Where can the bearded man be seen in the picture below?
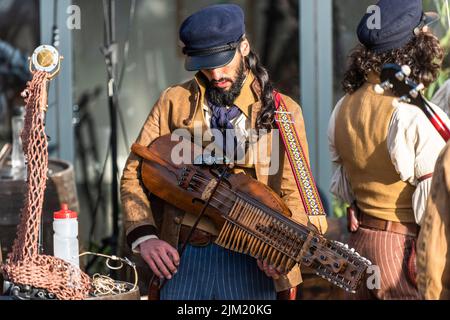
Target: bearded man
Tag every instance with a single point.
(231, 91)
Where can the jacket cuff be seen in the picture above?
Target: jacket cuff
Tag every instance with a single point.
(135, 245)
(139, 232)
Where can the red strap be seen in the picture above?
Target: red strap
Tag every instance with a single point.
(297, 159)
(425, 177)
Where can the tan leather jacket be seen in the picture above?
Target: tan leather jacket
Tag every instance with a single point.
(433, 254)
(176, 109)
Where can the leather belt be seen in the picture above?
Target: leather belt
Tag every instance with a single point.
(408, 229)
(199, 238)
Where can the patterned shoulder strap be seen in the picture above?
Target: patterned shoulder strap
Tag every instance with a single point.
(299, 163)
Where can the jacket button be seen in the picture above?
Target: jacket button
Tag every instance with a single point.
(177, 220)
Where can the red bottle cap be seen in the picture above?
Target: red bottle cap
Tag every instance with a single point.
(65, 213)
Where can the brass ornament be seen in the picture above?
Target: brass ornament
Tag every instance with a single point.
(46, 58)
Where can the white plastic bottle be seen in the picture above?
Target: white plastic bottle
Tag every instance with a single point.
(65, 238)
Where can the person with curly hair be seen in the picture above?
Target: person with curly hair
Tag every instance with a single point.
(384, 153)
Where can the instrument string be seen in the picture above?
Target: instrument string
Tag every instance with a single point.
(220, 203)
(244, 197)
(327, 252)
(323, 262)
(258, 205)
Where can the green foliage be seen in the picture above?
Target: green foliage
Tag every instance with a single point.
(442, 30)
(339, 208)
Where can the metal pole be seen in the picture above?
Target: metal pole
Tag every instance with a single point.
(59, 119)
(316, 83)
(111, 50)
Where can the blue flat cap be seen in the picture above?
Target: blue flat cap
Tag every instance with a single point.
(211, 36)
(399, 20)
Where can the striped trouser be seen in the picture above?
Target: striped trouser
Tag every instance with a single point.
(214, 273)
(390, 252)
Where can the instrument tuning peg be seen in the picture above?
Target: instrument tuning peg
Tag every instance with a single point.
(415, 92)
(406, 70)
(380, 88)
(404, 99)
(400, 76)
(340, 244)
(420, 87)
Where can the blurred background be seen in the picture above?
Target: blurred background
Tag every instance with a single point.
(303, 43)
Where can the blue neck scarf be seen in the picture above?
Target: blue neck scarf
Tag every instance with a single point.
(221, 116)
(221, 119)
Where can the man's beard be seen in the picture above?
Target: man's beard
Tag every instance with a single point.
(223, 98)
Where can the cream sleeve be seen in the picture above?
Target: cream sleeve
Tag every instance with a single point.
(414, 146)
(339, 185)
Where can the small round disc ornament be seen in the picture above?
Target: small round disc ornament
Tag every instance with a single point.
(45, 58)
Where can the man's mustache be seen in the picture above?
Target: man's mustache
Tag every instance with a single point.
(213, 82)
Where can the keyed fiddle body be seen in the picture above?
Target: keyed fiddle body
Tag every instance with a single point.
(254, 220)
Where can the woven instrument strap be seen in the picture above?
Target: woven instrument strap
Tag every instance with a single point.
(297, 158)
